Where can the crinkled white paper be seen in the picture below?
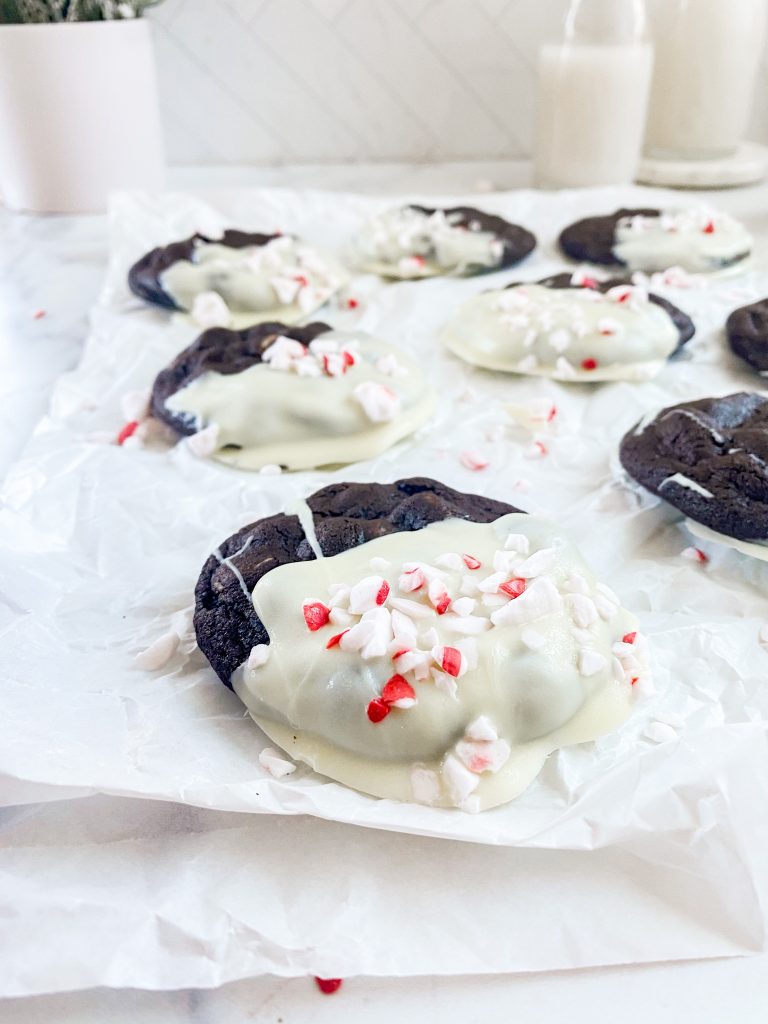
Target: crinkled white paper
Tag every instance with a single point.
(102, 545)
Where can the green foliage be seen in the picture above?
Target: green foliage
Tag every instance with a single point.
(39, 12)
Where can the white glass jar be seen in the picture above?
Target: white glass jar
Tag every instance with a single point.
(593, 90)
(707, 57)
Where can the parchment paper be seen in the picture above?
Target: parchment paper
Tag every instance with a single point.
(101, 546)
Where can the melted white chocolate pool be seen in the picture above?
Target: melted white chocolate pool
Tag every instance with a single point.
(266, 416)
(543, 670)
(569, 334)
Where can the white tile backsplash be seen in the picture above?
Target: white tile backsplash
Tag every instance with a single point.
(284, 81)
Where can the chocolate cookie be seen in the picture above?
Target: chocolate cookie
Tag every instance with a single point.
(220, 351)
(708, 458)
(345, 515)
(591, 240)
(414, 242)
(747, 332)
(297, 398)
(144, 276)
(695, 239)
(569, 327)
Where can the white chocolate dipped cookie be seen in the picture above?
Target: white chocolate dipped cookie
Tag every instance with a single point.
(696, 239)
(239, 279)
(292, 397)
(412, 242)
(570, 327)
(439, 664)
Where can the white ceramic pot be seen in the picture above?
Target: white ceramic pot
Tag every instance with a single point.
(78, 114)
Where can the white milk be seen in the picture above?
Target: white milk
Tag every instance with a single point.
(591, 112)
(707, 54)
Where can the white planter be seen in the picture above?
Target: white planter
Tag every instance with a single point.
(78, 114)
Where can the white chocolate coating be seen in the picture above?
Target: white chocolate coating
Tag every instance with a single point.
(698, 240)
(406, 243)
(543, 670)
(551, 332)
(283, 278)
(280, 417)
(753, 548)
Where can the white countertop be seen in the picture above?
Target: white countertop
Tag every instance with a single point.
(54, 265)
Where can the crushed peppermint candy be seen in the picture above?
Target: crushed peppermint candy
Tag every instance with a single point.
(473, 460)
(210, 310)
(379, 403)
(694, 555)
(464, 598)
(322, 357)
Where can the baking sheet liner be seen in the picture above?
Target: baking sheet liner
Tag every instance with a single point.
(100, 550)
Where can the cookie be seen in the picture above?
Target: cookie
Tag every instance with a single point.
(709, 459)
(220, 281)
(570, 327)
(441, 646)
(295, 397)
(747, 332)
(412, 242)
(696, 239)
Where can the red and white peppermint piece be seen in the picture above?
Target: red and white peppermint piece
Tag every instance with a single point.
(629, 638)
(128, 430)
(532, 639)
(439, 597)
(316, 614)
(379, 403)
(694, 555)
(367, 594)
(471, 562)
(399, 693)
(334, 364)
(380, 564)
(450, 660)
(513, 588)
(473, 460)
(389, 366)
(483, 755)
(380, 636)
(335, 640)
(328, 985)
(377, 710)
(540, 598)
(609, 327)
(411, 580)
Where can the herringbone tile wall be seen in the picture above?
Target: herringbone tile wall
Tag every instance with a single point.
(274, 81)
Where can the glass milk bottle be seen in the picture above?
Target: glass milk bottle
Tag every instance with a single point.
(593, 90)
(707, 58)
